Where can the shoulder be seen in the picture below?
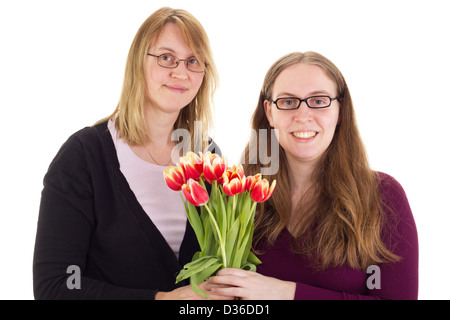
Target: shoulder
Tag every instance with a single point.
(398, 215)
(391, 190)
(90, 134)
(87, 137)
(87, 140)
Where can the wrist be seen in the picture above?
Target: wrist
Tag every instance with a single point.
(161, 295)
(291, 287)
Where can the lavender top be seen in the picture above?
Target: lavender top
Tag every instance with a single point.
(163, 205)
(391, 281)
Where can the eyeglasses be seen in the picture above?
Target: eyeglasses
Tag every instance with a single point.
(314, 102)
(167, 60)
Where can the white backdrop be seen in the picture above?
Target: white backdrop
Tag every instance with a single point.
(61, 69)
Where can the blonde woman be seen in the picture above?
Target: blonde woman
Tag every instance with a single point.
(333, 229)
(109, 227)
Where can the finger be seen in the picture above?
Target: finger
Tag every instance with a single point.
(207, 286)
(225, 281)
(234, 272)
(213, 296)
(211, 285)
(227, 291)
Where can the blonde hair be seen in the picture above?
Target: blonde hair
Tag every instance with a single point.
(346, 218)
(129, 114)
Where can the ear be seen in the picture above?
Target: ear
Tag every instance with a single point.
(268, 111)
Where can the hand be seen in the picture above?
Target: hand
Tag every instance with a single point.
(250, 285)
(186, 293)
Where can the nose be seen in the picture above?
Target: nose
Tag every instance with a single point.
(303, 113)
(180, 72)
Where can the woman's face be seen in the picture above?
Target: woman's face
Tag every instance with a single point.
(304, 133)
(170, 90)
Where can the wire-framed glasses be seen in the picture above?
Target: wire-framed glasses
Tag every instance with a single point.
(167, 60)
(314, 102)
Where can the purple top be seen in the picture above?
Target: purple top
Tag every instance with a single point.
(391, 281)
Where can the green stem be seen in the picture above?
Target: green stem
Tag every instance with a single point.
(251, 211)
(221, 243)
(202, 182)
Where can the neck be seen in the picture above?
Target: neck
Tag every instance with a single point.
(300, 175)
(159, 147)
(300, 181)
(159, 126)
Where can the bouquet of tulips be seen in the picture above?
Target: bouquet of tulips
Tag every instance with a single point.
(224, 227)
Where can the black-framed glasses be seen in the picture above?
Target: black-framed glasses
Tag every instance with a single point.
(167, 60)
(314, 102)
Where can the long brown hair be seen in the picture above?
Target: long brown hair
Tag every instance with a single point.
(344, 217)
(129, 114)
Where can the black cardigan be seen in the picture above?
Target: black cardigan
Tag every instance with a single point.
(90, 218)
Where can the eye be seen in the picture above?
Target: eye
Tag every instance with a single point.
(192, 60)
(166, 57)
(319, 101)
(287, 103)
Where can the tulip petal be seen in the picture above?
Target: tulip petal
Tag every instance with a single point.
(199, 194)
(195, 193)
(187, 193)
(174, 177)
(270, 191)
(193, 165)
(261, 191)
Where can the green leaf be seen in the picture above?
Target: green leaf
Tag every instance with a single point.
(252, 258)
(231, 242)
(221, 216)
(248, 244)
(197, 289)
(249, 266)
(230, 213)
(195, 221)
(197, 255)
(244, 217)
(199, 277)
(243, 247)
(196, 266)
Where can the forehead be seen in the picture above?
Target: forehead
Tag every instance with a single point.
(171, 40)
(302, 80)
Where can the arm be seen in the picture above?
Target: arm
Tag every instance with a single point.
(65, 227)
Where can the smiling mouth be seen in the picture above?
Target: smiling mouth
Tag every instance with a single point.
(305, 134)
(179, 89)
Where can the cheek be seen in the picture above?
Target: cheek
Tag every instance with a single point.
(152, 79)
(279, 120)
(197, 82)
(329, 124)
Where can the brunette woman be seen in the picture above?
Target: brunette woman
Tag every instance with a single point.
(334, 228)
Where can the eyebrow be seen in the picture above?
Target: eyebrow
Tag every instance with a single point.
(165, 49)
(316, 92)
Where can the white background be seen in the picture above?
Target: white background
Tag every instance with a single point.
(61, 69)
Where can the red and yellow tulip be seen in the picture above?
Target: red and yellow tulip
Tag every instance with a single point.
(234, 180)
(261, 191)
(195, 193)
(224, 228)
(214, 167)
(251, 181)
(193, 165)
(175, 177)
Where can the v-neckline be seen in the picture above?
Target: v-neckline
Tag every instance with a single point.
(151, 232)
